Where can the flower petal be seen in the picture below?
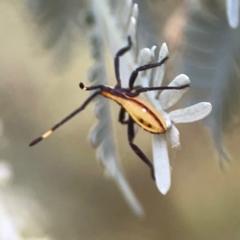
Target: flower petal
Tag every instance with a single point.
(191, 114)
(126, 13)
(132, 31)
(145, 56)
(173, 137)
(161, 163)
(159, 73)
(169, 97)
(233, 12)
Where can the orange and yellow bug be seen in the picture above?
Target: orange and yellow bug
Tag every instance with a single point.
(139, 111)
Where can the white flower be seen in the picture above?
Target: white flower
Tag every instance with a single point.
(193, 113)
(162, 102)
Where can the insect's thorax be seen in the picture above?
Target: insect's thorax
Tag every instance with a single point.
(141, 112)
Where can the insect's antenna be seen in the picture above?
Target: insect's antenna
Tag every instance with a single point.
(121, 52)
(71, 115)
(82, 86)
(135, 73)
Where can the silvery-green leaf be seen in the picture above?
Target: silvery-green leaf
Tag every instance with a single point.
(211, 60)
(108, 159)
(192, 113)
(128, 194)
(116, 35)
(161, 163)
(100, 109)
(169, 97)
(94, 73)
(98, 133)
(102, 134)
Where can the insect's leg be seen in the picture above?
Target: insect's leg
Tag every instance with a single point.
(140, 90)
(136, 149)
(143, 68)
(49, 132)
(121, 116)
(116, 60)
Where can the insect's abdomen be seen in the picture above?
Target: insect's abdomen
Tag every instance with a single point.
(145, 116)
(141, 112)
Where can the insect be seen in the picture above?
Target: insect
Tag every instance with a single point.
(138, 111)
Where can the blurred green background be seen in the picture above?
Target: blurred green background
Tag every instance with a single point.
(61, 173)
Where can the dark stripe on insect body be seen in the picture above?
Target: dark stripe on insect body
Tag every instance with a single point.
(148, 110)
